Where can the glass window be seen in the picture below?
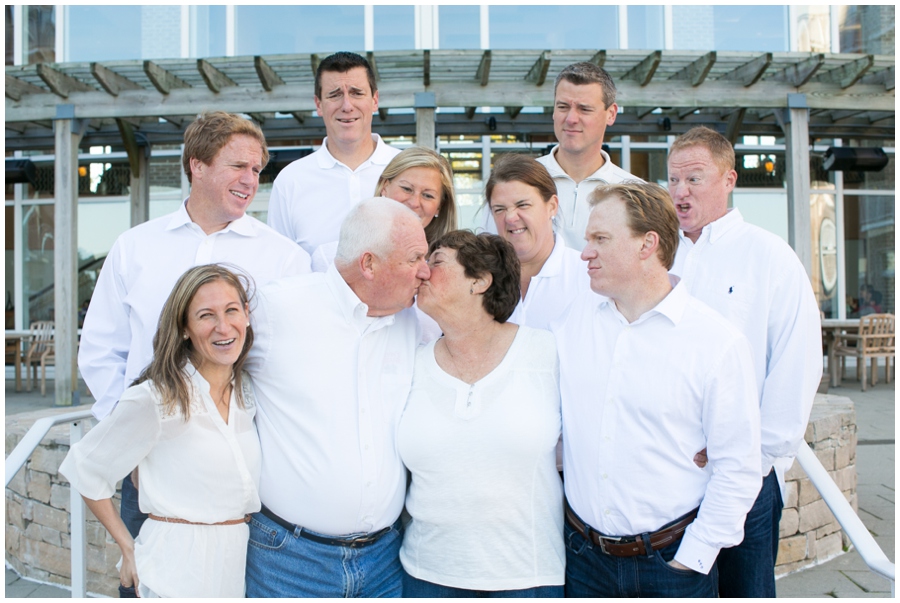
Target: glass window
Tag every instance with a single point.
(40, 35)
(395, 27)
(869, 254)
(10, 37)
(880, 180)
(468, 186)
(722, 27)
(645, 27)
(866, 28)
(813, 28)
(556, 27)
(649, 166)
(288, 29)
(823, 222)
(762, 169)
(37, 269)
(98, 33)
(765, 209)
(208, 35)
(459, 27)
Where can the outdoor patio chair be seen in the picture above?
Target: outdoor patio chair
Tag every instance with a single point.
(875, 340)
(40, 352)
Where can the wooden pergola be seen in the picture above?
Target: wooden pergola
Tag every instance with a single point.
(800, 96)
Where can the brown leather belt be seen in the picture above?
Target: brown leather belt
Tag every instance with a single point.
(629, 546)
(230, 522)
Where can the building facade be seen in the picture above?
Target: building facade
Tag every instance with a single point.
(853, 212)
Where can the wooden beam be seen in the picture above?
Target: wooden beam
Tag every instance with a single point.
(17, 127)
(513, 111)
(111, 81)
(370, 56)
(682, 113)
(258, 118)
(215, 79)
(131, 146)
(314, 63)
(298, 116)
(599, 58)
(697, 71)
(876, 118)
(800, 73)
(837, 116)
(163, 80)
(733, 129)
(643, 72)
(267, 76)
(470, 112)
(750, 72)
(641, 112)
(16, 88)
(538, 72)
(178, 122)
(887, 76)
(60, 83)
(426, 68)
(484, 68)
(849, 73)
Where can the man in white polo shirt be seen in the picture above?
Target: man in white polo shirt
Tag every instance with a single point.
(755, 280)
(312, 196)
(223, 156)
(649, 376)
(584, 105)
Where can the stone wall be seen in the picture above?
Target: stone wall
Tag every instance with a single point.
(810, 534)
(37, 503)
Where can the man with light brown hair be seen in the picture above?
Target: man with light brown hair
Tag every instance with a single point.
(648, 376)
(755, 280)
(584, 105)
(223, 157)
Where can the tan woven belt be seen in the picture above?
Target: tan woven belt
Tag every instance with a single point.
(230, 522)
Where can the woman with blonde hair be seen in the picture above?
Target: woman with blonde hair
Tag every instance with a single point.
(187, 424)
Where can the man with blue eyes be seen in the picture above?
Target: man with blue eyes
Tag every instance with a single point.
(312, 196)
(223, 157)
(584, 105)
(755, 280)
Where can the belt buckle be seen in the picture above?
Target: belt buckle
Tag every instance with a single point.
(603, 540)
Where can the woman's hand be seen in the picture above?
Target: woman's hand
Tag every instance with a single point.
(104, 510)
(128, 572)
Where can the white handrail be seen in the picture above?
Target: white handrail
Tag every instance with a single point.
(17, 459)
(850, 522)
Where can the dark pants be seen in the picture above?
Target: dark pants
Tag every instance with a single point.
(413, 588)
(133, 520)
(592, 573)
(748, 569)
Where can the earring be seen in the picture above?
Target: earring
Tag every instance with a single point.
(248, 325)
(436, 214)
(185, 336)
(471, 290)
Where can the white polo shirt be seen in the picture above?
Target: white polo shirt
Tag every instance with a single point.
(312, 196)
(137, 277)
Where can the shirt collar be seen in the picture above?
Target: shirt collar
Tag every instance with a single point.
(672, 305)
(381, 156)
(242, 226)
(556, 170)
(717, 229)
(353, 308)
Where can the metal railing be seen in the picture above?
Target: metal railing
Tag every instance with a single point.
(20, 455)
(850, 522)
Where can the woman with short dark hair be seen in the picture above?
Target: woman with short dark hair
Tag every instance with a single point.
(479, 435)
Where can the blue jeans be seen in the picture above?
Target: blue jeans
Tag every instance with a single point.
(133, 519)
(748, 569)
(592, 573)
(281, 563)
(413, 588)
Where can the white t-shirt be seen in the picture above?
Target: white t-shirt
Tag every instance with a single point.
(485, 498)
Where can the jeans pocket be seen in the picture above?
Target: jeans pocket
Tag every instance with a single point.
(265, 536)
(687, 573)
(575, 542)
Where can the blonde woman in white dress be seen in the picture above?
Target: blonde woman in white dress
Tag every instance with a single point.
(187, 424)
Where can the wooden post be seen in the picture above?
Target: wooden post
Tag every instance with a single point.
(795, 122)
(68, 133)
(140, 188)
(425, 132)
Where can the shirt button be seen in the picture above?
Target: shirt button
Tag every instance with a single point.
(604, 476)
(606, 512)
(366, 447)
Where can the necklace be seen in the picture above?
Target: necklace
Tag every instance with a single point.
(226, 396)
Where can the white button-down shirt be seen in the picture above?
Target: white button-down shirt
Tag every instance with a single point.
(312, 196)
(638, 401)
(143, 265)
(755, 280)
(574, 210)
(330, 384)
(562, 277)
